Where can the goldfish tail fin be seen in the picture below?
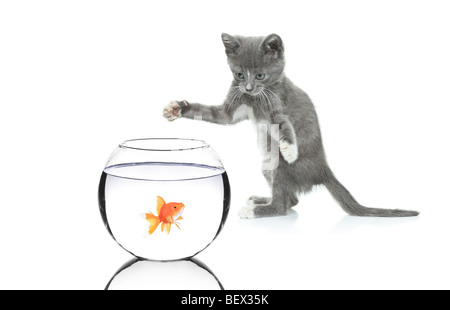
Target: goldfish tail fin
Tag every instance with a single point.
(154, 222)
(159, 203)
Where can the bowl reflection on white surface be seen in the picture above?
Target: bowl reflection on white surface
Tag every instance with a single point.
(140, 274)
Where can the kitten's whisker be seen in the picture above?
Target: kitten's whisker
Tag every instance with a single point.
(266, 99)
(260, 97)
(266, 95)
(273, 94)
(232, 96)
(276, 100)
(240, 95)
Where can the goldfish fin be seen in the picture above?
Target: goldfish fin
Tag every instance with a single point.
(177, 225)
(179, 218)
(162, 226)
(168, 228)
(159, 203)
(154, 222)
(148, 216)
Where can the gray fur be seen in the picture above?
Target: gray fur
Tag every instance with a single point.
(276, 100)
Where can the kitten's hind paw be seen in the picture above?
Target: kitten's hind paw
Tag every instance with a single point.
(172, 111)
(289, 151)
(246, 212)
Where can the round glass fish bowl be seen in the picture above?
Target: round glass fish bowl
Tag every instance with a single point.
(164, 199)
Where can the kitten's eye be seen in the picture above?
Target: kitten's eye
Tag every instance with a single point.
(260, 76)
(240, 76)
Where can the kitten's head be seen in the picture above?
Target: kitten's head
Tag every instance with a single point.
(256, 62)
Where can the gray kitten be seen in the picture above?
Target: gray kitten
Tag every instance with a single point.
(261, 92)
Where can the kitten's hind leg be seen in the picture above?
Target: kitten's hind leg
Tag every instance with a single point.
(257, 200)
(282, 199)
(293, 200)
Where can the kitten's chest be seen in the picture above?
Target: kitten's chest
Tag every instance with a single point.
(267, 132)
(260, 121)
(244, 112)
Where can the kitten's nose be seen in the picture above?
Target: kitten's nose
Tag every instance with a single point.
(249, 87)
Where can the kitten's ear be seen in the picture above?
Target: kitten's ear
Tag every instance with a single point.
(273, 46)
(231, 44)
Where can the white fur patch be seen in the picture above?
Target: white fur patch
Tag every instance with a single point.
(289, 151)
(246, 212)
(243, 112)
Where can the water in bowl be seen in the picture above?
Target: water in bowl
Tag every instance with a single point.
(128, 192)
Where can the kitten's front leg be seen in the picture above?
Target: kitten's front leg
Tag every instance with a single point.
(289, 151)
(224, 114)
(288, 141)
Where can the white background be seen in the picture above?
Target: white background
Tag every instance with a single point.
(78, 77)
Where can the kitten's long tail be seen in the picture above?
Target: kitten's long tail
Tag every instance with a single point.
(352, 207)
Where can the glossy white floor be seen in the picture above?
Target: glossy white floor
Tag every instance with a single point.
(79, 78)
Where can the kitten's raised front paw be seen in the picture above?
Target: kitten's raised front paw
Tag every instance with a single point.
(246, 212)
(172, 111)
(289, 151)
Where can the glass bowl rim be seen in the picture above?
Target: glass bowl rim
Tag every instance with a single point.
(192, 144)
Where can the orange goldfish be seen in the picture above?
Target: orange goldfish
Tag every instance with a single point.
(167, 214)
